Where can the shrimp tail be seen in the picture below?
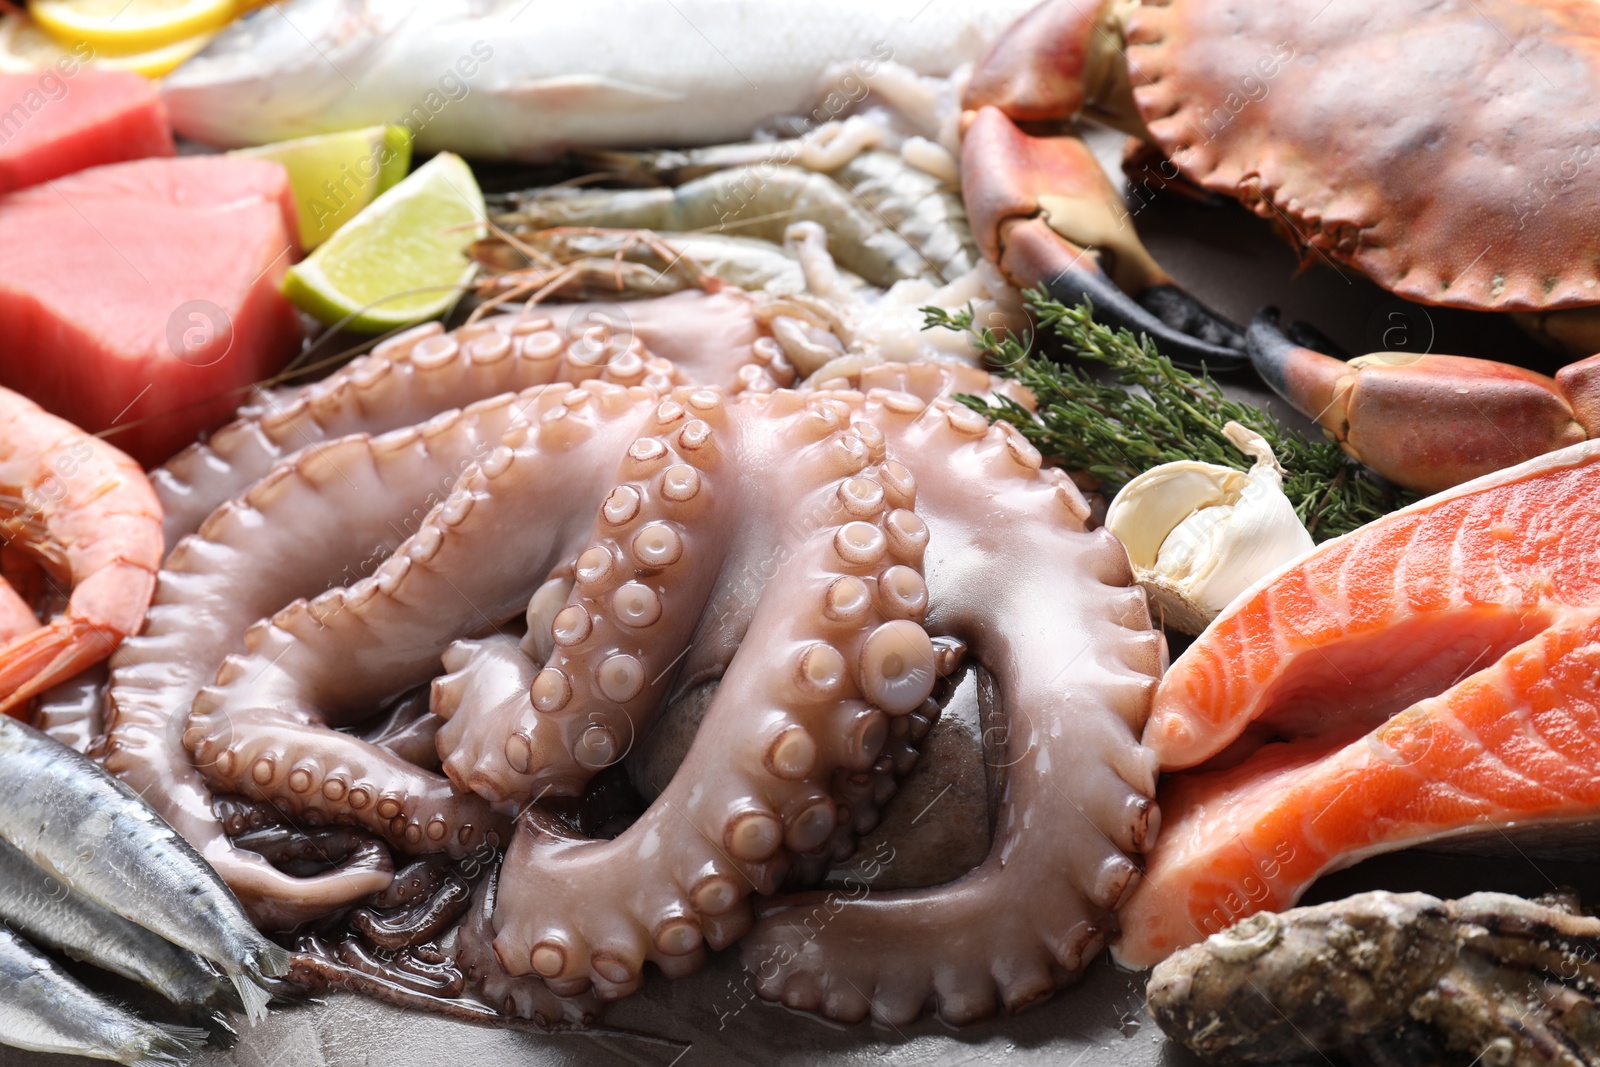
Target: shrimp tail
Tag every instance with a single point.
(34, 662)
(16, 617)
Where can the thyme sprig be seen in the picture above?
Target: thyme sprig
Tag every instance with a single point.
(1154, 413)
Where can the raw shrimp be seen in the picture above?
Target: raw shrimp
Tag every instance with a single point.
(83, 511)
(597, 264)
(752, 201)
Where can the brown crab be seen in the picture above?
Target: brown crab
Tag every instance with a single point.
(1447, 149)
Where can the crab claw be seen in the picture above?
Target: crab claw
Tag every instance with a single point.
(1580, 383)
(1042, 210)
(1042, 66)
(1426, 422)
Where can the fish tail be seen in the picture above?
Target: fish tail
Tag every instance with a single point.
(272, 960)
(254, 996)
(170, 1046)
(216, 1024)
(261, 962)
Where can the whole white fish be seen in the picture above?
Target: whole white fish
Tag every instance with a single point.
(525, 79)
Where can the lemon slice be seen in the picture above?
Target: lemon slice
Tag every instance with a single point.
(335, 175)
(25, 47)
(129, 26)
(402, 259)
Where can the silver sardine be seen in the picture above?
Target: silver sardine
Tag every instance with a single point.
(92, 832)
(40, 907)
(43, 1009)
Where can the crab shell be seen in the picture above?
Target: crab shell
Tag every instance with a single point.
(1448, 150)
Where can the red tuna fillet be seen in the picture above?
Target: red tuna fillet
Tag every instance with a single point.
(1434, 675)
(148, 289)
(53, 122)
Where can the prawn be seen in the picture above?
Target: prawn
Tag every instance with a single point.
(85, 515)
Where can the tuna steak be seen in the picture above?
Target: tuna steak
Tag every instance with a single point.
(148, 289)
(69, 117)
(1434, 675)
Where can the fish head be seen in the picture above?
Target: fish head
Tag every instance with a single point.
(281, 70)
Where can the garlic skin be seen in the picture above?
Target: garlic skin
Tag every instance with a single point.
(1199, 535)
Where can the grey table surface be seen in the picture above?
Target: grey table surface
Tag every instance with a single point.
(1231, 260)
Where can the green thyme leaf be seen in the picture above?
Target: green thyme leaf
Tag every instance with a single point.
(1152, 413)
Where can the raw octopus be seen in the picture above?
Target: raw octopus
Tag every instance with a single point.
(824, 553)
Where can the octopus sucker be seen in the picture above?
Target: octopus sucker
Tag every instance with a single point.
(411, 377)
(295, 681)
(1051, 625)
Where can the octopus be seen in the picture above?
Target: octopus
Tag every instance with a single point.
(426, 611)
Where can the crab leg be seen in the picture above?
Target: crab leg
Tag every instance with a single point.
(1428, 422)
(1043, 209)
(1049, 215)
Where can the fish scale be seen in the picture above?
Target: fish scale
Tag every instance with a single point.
(1500, 638)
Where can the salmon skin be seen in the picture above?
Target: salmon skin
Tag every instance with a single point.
(1433, 675)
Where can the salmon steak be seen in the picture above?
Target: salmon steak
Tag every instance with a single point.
(1431, 677)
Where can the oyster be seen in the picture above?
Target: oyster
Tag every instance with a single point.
(1392, 978)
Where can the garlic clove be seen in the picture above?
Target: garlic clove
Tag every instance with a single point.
(1198, 535)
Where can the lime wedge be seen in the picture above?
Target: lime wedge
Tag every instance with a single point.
(335, 175)
(402, 259)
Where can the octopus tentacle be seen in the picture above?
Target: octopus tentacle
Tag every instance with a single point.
(409, 378)
(266, 728)
(546, 602)
(292, 534)
(519, 997)
(416, 880)
(490, 678)
(637, 599)
(422, 920)
(755, 786)
(1075, 665)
